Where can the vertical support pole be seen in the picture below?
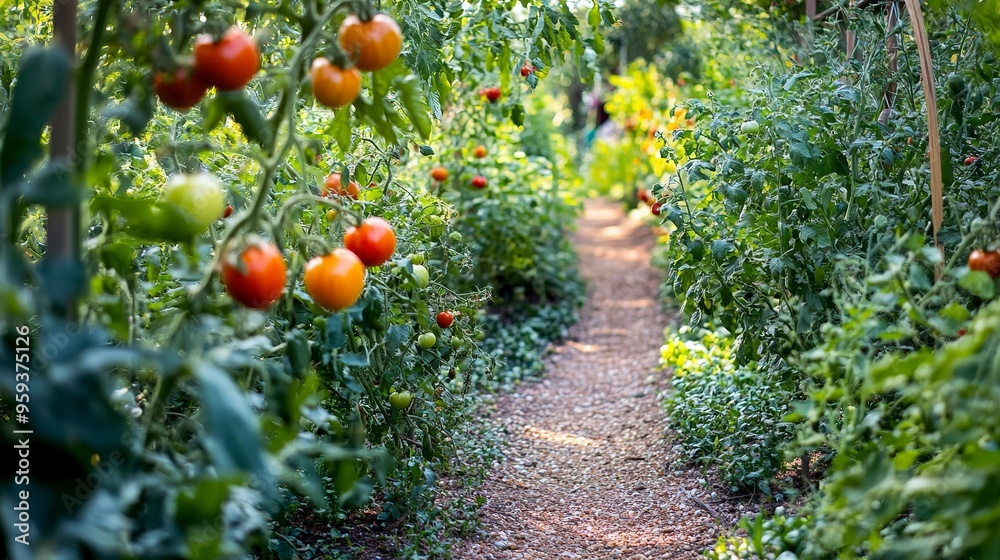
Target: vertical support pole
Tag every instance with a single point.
(61, 223)
(811, 9)
(892, 52)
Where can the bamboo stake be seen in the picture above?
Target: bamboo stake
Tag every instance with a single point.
(933, 133)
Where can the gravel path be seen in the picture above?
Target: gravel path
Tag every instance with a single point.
(587, 473)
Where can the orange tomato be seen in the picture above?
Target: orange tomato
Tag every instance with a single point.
(335, 281)
(479, 152)
(262, 279)
(372, 44)
(332, 85)
(439, 174)
(332, 185)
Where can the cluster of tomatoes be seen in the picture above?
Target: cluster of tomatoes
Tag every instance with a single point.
(256, 277)
(370, 45)
(226, 63)
(440, 174)
(229, 62)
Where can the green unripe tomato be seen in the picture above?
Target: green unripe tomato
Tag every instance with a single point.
(455, 237)
(417, 258)
(427, 340)
(456, 342)
(400, 400)
(750, 127)
(423, 277)
(199, 198)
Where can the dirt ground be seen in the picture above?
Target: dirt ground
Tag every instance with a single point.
(588, 473)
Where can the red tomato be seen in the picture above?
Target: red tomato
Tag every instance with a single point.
(492, 93)
(527, 69)
(372, 44)
(262, 279)
(180, 89)
(333, 186)
(229, 63)
(335, 281)
(445, 319)
(986, 261)
(970, 160)
(228, 211)
(655, 208)
(479, 182)
(373, 241)
(644, 196)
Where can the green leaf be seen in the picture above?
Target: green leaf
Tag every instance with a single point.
(354, 360)
(978, 283)
(414, 104)
(297, 350)
(42, 83)
(248, 115)
(517, 114)
(336, 337)
(232, 432)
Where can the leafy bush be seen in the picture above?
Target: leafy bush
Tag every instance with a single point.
(718, 409)
(802, 227)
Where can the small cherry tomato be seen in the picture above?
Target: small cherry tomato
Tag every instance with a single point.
(479, 182)
(228, 211)
(479, 152)
(228, 63)
(527, 69)
(445, 319)
(373, 241)
(970, 160)
(258, 279)
(655, 208)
